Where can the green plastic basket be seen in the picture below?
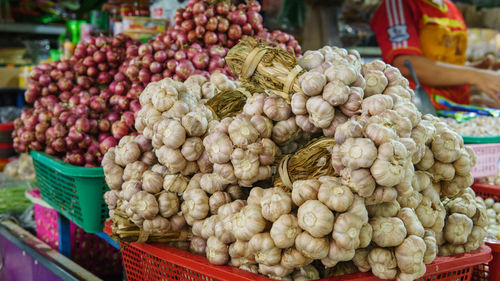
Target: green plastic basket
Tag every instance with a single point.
(75, 192)
(473, 140)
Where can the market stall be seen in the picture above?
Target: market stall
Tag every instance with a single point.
(202, 143)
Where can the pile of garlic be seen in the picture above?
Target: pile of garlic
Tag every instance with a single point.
(480, 126)
(493, 212)
(136, 183)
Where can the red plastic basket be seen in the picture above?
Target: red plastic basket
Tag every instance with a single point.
(88, 250)
(488, 271)
(487, 156)
(151, 262)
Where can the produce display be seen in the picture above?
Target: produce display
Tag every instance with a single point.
(328, 167)
(84, 106)
(480, 126)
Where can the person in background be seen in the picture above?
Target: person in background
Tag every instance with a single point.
(432, 35)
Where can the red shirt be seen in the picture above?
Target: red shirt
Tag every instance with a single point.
(421, 27)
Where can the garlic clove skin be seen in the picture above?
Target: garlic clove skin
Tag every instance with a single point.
(254, 105)
(311, 59)
(304, 190)
(388, 231)
(275, 203)
(246, 164)
(217, 252)
(241, 132)
(376, 104)
(338, 119)
(312, 247)
(349, 129)
(276, 108)
(353, 104)
(360, 181)
(144, 204)
(376, 82)
(218, 147)
(168, 204)
(284, 231)
(263, 125)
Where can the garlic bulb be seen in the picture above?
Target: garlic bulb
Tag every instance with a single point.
(174, 134)
(226, 172)
(198, 246)
(410, 255)
(175, 183)
(386, 173)
(379, 133)
(245, 163)
(353, 104)
(375, 83)
(114, 177)
(388, 231)
(411, 222)
(192, 149)
(240, 254)
(283, 131)
(218, 147)
(134, 171)
(217, 252)
(248, 222)
(212, 183)
(431, 247)
(254, 105)
(129, 189)
(376, 104)
(349, 129)
(284, 231)
(304, 190)
(315, 218)
(232, 208)
(346, 231)
(305, 124)
(365, 235)
(337, 254)
(321, 113)
(275, 202)
(298, 104)
(242, 132)
(275, 271)
(204, 163)
(358, 153)
(360, 181)
(360, 259)
(144, 204)
(341, 72)
(152, 182)
(312, 83)
(168, 204)
(156, 225)
(262, 246)
(218, 199)
(336, 93)
(338, 119)
(171, 158)
(197, 203)
(293, 258)
(263, 125)
(442, 171)
(334, 195)
(383, 263)
(463, 164)
(312, 247)
(276, 108)
(446, 147)
(311, 59)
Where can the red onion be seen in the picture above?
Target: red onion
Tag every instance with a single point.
(89, 159)
(199, 7)
(123, 102)
(73, 101)
(92, 71)
(106, 144)
(128, 118)
(44, 80)
(155, 67)
(180, 55)
(63, 66)
(160, 56)
(64, 84)
(84, 82)
(105, 94)
(234, 32)
(145, 49)
(58, 109)
(210, 38)
(132, 51)
(171, 64)
(247, 29)
(200, 31)
(187, 25)
(184, 69)
(223, 25)
(113, 116)
(102, 67)
(58, 145)
(144, 76)
(210, 11)
(104, 78)
(187, 14)
(30, 96)
(120, 88)
(119, 129)
(104, 125)
(135, 106)
(191, 36)
(156, 77)
(56, 74)
(212, 24)
(201, 60)
(238, 17)
(82, 125)
(103, 136)
(200, 19)
(52, 88)
(132, 72)
(94, 128)
(86, 141)
(88, 61)
(81, 110)
(99, 57)
(222, 8)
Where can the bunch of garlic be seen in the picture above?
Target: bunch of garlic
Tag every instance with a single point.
(466, 221)
(480, 126)
(138, 187)
(241, 150)
(493, 212)
(331, 89)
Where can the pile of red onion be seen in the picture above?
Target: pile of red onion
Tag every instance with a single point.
(76, 115)
(84, 106)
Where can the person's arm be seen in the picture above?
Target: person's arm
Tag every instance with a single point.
(439, 74)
